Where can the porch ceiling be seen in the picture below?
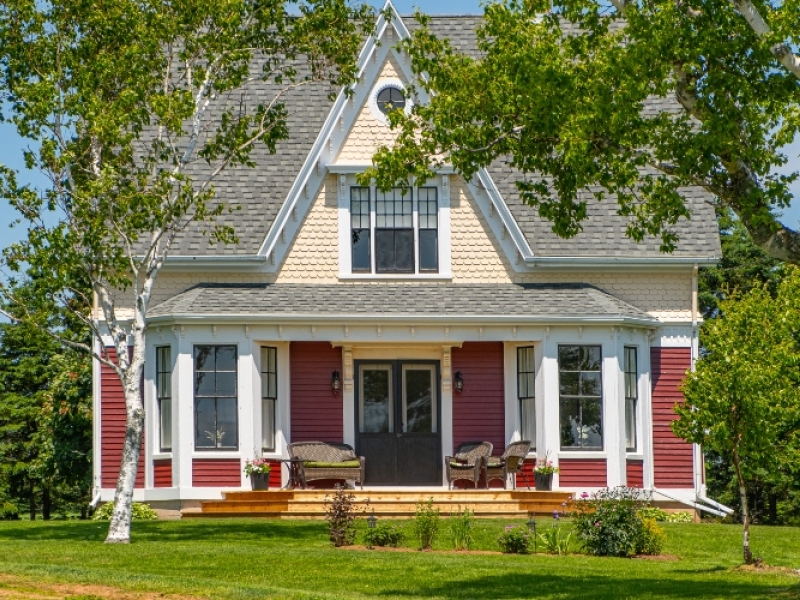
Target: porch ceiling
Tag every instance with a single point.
(543, 303)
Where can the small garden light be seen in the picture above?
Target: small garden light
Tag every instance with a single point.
(532, 527)
(459, 381)
(372, 521)
(335, 382)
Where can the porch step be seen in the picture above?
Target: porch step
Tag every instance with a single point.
(388, 503)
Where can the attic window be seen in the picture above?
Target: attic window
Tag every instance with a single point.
(391, 98)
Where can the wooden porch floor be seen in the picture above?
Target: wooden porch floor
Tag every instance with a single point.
(310, 504)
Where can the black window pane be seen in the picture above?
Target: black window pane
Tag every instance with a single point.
(205, 423)
(384, 250)
(204, 384)
(390, 98)
(570, 423)
(591, 424)
(226, 423)
(204, 358)
(428, 250)
(569, 358)
(591, 358)
(590, 384)
(569, 384)
(226, 384)
(226, 358)
(361, 259)
(404, 250)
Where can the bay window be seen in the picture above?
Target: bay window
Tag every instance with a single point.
(580, 397)
(215, 398)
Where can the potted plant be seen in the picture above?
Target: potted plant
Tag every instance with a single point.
(258, 470)
(543, 474)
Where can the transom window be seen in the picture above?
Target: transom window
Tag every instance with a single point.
(398, 233)
(391, 98)
(580, 397)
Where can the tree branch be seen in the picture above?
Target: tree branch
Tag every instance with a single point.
(782, 51)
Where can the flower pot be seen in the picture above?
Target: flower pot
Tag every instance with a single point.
(259, 481)
(544, 481)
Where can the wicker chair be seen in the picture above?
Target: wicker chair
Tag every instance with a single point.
(510, 463)
(326, 460)
(467, 462)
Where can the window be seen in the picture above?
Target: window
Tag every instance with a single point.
(164, 396)
(269, 396)
(580, 397)
(399, 232)
(391, 98)
(215, 398)
(525, 392)
(631, 396)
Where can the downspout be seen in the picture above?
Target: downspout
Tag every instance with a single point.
(695, 505)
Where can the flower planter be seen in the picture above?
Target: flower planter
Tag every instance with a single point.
(259, 481)
(544, 482)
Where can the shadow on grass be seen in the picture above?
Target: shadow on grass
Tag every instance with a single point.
(237, 530)
(594, 587)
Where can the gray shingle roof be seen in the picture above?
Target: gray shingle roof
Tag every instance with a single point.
(261, 191)
(353, 300)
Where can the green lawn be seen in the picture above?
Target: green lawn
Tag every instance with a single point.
(284, 559)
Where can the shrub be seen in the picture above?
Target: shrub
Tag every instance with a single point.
(554, 540)
(383, 535)
(8, 511)
(461, 524)
(651, 538)
(426, 523)
(515, 539)
(340, 513)
(608, 523)
(653, 512)
(139, 512)
(682, 516)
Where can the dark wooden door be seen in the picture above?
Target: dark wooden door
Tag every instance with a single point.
(397, 422)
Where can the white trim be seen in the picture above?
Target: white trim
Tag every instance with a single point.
(97, 431)
(583, 455)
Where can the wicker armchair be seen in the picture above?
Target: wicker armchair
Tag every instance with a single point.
(326, 460)
(500, 467)
(467, 462)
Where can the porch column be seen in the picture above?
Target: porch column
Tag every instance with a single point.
(182, 413)
(614, 411)
(348, 397)
(446, 426)
(548, 439)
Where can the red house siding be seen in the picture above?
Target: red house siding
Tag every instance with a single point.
(216, 472)
(577, 472)
(316, 411)
(673, 459)
(275, 475)
(635, 473)
(162, 472)
(112, 428)
(479, 411)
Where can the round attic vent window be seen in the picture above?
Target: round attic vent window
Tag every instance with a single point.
(391, 98)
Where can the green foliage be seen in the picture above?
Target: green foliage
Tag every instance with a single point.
(651, 538)
(654, 513)
(340, 512)
(426, 524)
(555, 540)
(8, 511)
(257, 466)
(681, 516)
(515, 539)
(139, 512)
(608, 521)
(558, 93)
(461, 526)
(384, 535)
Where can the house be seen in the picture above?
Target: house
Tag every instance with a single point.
(405, 325)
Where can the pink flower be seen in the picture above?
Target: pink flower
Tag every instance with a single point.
(597, 524)
(584, 495)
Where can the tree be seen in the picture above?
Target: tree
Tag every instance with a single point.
(137, 108)
(45, 411)
(743, 399)
(566, 97)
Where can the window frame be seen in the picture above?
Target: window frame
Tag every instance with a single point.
(634, 399)
(529, 399)
(582, 399)
(160, 397)
(217, 447)
(266, 352)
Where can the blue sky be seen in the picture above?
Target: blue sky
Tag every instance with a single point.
(11, 146)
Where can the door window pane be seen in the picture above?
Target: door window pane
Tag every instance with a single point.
(419, 402)
(580, 401)
(215, 398)
(376, 406)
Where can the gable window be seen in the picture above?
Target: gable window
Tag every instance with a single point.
(580, 397)
(164, 397)
(269, 396)
(397, 233)
(391, 98)
(526, 382)
(631, 397)
(215, 398)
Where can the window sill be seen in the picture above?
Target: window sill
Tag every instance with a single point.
(216, 454)
(395, 277)
(634, 455)
(162, 455)
(567, 454)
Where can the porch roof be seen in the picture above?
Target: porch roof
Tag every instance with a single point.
(544, 303)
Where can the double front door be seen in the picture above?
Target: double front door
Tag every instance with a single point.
(397, 422)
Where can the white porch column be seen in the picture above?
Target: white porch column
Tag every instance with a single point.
(614, 410)
(446, 426)
(249, 446)
(548, 439)
(348, 397)
(182, 412)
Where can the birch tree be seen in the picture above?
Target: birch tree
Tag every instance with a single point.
(123, 100)
(743, 399)
(567, 93)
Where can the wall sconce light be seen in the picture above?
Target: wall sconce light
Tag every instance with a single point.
(459, 382)
(335, 382)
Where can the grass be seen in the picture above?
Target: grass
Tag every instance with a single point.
(241, 559)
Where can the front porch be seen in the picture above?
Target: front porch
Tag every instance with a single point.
(393, 503)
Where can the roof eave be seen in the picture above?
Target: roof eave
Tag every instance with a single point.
(582, 262)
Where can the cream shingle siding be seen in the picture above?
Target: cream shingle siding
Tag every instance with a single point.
(170, 283)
